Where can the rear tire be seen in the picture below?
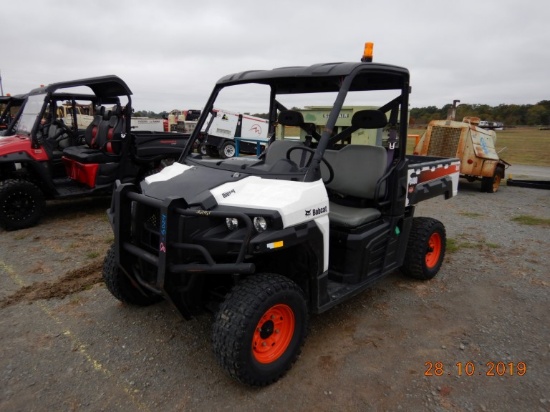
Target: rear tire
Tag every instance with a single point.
(425, 249)
(121, 287)
(228, 150)
(260, 328)
(22, 204)
(491, 184)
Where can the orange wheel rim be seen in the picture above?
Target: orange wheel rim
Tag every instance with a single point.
(434, 250)
(273, 333)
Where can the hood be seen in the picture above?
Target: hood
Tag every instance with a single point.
(192, 183)
(18, 144)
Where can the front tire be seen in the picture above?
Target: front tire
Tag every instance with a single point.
(22, 204)
(425, 249)
(260, 328)
(121, 287)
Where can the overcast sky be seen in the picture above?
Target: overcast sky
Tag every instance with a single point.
(171, 52)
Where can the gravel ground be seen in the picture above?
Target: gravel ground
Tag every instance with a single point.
(67, 344)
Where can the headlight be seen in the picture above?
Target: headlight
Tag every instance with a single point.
(260, 224)
(232, 223)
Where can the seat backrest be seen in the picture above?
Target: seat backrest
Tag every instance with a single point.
(102, 131)
(357, 169)
(277, 150)
(90, 134)
(114, 133)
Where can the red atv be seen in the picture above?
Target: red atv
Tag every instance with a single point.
(69, 145)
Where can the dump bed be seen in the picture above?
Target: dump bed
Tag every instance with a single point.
(430, 177)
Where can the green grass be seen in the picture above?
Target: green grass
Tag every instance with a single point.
(92, 255)
(454, 245)
(531, 220)
(522, 145)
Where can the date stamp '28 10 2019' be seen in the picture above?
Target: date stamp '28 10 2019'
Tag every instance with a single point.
(469, 369)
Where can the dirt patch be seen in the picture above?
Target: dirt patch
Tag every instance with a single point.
(74, 281)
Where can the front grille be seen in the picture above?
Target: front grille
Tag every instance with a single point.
(444, 141)
(146, 227)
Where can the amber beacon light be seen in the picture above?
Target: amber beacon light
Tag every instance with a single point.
(367, 53)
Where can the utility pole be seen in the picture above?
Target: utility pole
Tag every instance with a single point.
(1, 87)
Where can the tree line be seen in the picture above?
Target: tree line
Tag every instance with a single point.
(509, 114)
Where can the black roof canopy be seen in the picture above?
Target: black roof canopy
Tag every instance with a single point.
(324, 77)
(103, 86)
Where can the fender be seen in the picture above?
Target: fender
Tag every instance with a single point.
(18, 149)
(21, 144)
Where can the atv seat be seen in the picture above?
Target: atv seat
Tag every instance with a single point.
(90, 134)
(97, 162)
(102, 138)
(356, 186)
(277, 149)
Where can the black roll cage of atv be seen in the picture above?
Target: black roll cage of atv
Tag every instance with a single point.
(339, 78)
(107, 89)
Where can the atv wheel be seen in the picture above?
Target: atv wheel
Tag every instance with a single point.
(491, 184)
(260, 328)
(121, 287)
(425, 249)
(228, 150)
(22, 204)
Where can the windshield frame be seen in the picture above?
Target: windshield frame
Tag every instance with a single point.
(30, 118)
(341, 78)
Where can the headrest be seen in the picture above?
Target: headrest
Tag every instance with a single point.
(99, 110)
(290, 118)
(117, 110)
(369, 119)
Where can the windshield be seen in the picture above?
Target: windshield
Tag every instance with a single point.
(356, 105)
(30, 114)
(236, 105)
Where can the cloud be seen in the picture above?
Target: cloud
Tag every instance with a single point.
(171, 52)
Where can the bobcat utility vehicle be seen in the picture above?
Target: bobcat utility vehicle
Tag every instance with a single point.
(264, 242)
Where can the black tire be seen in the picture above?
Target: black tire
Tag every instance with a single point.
(491, 184)
(228, 150)
(248, 344)
(121, 287)
(22, 204)
(203, 150)
(211, 151)
(425, 249)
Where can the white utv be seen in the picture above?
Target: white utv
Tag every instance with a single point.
(267, 241)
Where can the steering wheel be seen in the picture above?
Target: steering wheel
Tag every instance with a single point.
(64, 128)
(63, 131)
(310, 150)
